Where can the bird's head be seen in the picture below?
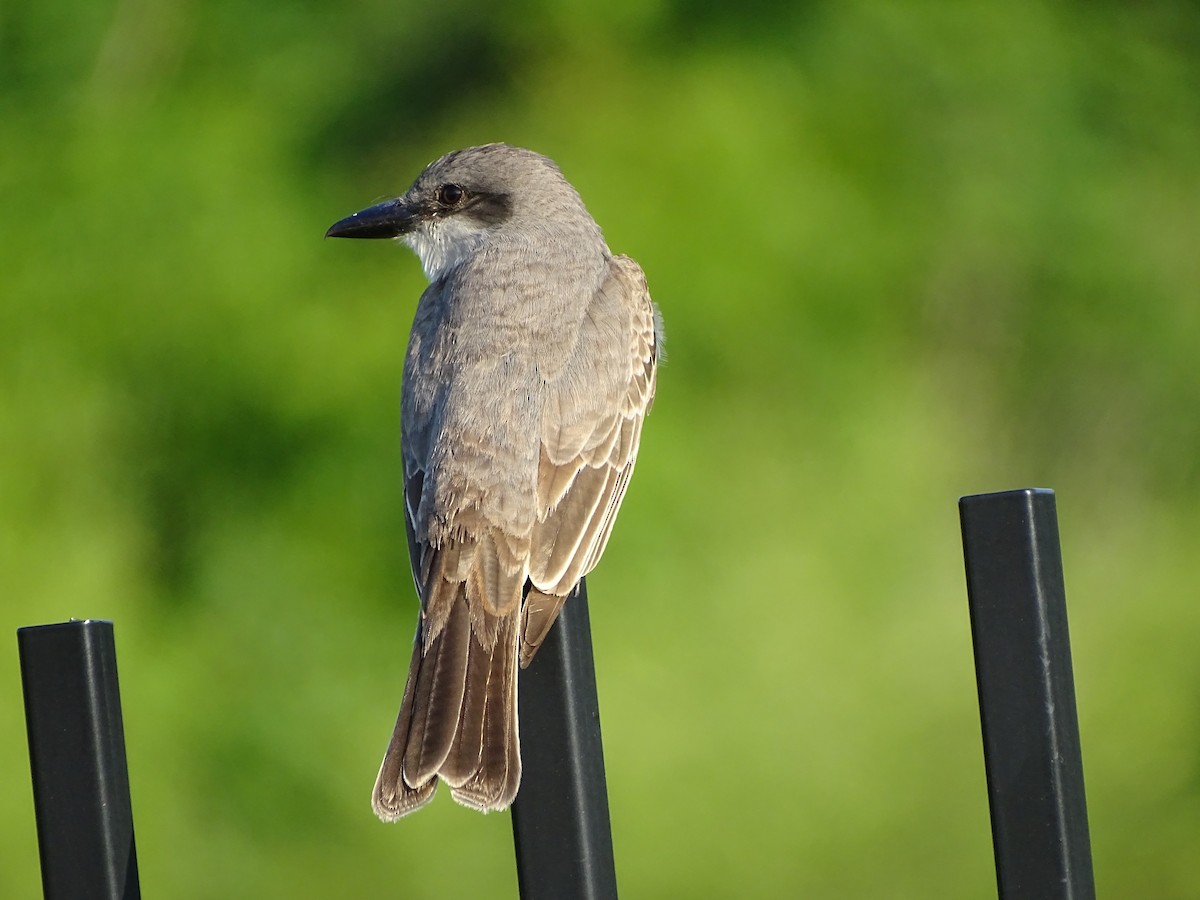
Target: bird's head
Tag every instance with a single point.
(481, 196)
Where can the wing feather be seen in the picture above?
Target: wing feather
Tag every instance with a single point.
(590, 444)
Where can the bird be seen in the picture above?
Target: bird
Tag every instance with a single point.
(531, 364)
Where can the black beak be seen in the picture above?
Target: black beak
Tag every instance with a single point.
(384, 220)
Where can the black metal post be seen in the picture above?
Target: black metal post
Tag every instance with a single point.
(77, 757)
(1026, 696)
(560, 817)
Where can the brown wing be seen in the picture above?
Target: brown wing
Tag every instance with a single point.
(590, 432)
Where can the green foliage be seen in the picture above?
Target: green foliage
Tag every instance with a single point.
(904, 252)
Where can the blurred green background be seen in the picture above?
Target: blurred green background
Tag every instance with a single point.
(904, 252)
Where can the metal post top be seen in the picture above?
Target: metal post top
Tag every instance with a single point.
(995, 496)
(69, 624)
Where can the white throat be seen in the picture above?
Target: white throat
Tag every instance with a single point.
(443, 244)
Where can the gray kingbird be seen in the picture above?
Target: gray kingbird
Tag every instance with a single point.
(530, 367)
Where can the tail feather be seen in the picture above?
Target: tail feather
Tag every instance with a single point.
(494, 784)
(457, 722)
(438, 698)
(392, 797)
(467, 749)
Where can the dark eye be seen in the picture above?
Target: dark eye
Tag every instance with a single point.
(451, 195)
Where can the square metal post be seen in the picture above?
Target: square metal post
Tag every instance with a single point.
(77, 758)
(560, 818)
(1026, 696)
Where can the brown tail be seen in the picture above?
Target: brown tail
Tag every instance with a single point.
(457, 722)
